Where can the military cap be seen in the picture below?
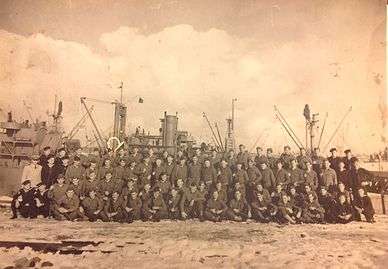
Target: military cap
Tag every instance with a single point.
(70, 188)
(347, 151)
(35, 157)
(354, 159)
(26, 182)
(40, 184)
(109, 172)
(333, 149)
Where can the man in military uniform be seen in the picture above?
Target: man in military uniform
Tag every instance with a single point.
(57, 192)
(302, 159)
(364, 206)
(23, 201)
(254, 177)
(33, 171)
(242, 156)
(144, 171)
(190, 205)
(347, 159)
(271, 159)
(194, 171)
(158, 209)
(312, 210)
(310, 176)
(286, 157)
(93, 206)
(208, 174)
(328, 177)
(343, 211)
(173, 204)
(133, 207)
(334, 159)
(224, 174)
(45, 155)
(68, 207)
(282, 176)
(114, 209)
(260, 157)
(327, 201)
(49, 171)
(317, 161)
(268, 179)
(260, 208)
(215, 209)
(238, 208)
(41, 201)
(180, 172)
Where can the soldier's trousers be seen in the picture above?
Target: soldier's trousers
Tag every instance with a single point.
(159, 215)
(94, 217)
(195, 211)
(121, 216)
(133, 215)
(214, 217)
(343, 221)
(174, 215)
(68, 215)
(261, 215)
(24, 210)
(310, 216)
(43, 210)
(231, 215)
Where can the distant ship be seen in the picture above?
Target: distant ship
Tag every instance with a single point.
(19, 141)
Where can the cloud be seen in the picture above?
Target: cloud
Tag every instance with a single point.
(180, 69)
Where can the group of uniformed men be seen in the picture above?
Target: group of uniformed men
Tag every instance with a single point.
(130, 185)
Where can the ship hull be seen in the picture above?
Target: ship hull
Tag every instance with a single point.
(10, 180)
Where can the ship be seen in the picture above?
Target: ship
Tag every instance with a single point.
(20, 140)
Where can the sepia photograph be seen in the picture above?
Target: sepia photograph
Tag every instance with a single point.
(193, 134)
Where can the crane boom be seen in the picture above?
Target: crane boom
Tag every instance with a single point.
(336, 130)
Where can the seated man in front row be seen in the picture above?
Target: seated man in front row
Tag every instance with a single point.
(41, 201)
(238, 208)
(68, 208)
(23, 201)
(93, 206)
(363, 205)
(215, 209)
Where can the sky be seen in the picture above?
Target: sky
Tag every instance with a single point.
(189, 57)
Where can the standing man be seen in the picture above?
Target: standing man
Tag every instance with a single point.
(271, 159)
(44, 157)
(302, 159)
(242, 156)
(286, 157)
(317, 161)
(348, 159)
(33, 171)
(260, 157)
(328, 177)
(334, 159)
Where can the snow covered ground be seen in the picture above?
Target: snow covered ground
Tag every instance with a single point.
(193, 244)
